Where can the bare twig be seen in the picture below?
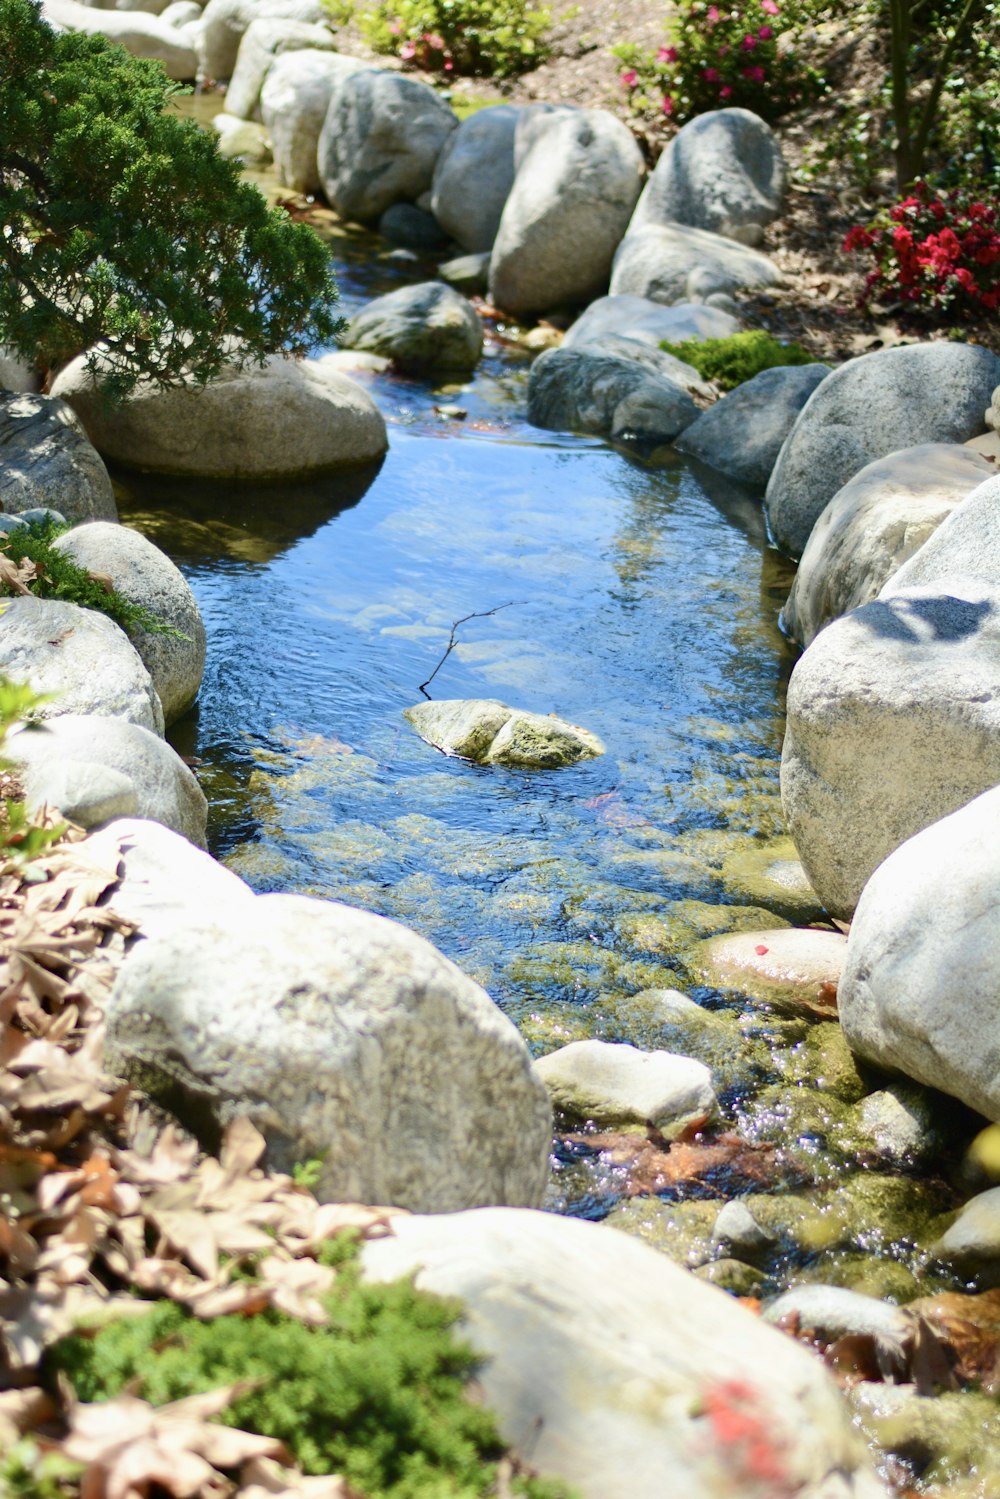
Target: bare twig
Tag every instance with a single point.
(476, 614)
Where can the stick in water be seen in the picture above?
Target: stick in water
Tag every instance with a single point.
(476, 614)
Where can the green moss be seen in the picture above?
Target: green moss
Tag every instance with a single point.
(731, 361)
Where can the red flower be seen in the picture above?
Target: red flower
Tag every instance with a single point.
(748, 43)
(710, 75)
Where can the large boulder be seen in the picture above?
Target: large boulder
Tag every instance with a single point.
(585, 390)
(620, 1373)
(64, 762)
(261, 43)
(344, 1037)
(294, 99)
(722, 171)
(569, 207)
(871, 406)
(288, 419)
(893, 721)
(742, 434)
(650, 322)
(873, 525)
(474, 175)
(488, 732)
(919, 989)
(380, 141)
(78, 656)
(424, 327)
(46, 459)
(224, 23)
(675, 263)
(967, 541)
(140, 34)
(16, 373)
(175, 657)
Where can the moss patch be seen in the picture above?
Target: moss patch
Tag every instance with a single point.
(734, 360)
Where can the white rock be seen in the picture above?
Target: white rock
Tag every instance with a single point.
(424, 327)
(474, 175)
(180, 13)
(225, 21)
(604, 1362)
(897, 1131)
(742, 434)
(342, 1036)
(967, 542)
(261, 43)
(583, 389)
(293, 103)
(652, 323)
(617, 1084)
(46, 459)
(738, 1231)
(674, 263)
(835, 1312)
(975, 1233)
(142, 35)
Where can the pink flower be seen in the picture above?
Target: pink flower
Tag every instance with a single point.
(725, 91)
(721, 52)
(755, 74)
(667, 54)
(765, 33)
(408, 50)
(630, 78)
(769, 7)
(712, 14)
(748, 43)
(433, 40)
(395, 27)
(449, 65)
(710, 75)
(668, 105)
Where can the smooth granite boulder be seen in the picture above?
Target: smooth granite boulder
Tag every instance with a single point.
(380, 142)
(722, 171)
(966, 543)
(616, 1084)
(224, 23)
(343, 1037)
(46, 459)
(294, 99)
(650, 322)
(569, 206)
(262, 42)
(585, 390)
(893, 722)
(651, 357)
(285, 420)
(490, 733)
(742, 434)
(623, 1375)
(474, 175)
(920, 984)
(424, 327)
(674, 263)
(869, 407)
(873, 526)
(140, 34)
(16, 374)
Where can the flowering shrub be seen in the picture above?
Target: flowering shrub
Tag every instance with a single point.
(719, 55)
(936, 252)
(491, 37)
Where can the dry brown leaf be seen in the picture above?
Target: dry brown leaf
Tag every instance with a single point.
(262, 1478)
(20, 1411)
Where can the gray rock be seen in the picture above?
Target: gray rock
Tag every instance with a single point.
(722, 171)
(918, 994)
(407, 225)
(10, 523)
(966, 543)
(738, 1231)
(533, 121)
(180, 12)
(424, 327)
(140, 34)
(45, 456)
(674, 263)
(871, 406)
(569, 207)
(82, 791)
(261, 43)
(467, 273)
(834, 1312)
(873, 526)
(242, 140)
(16, 374)
(893, 721)
(381, 138)
(38, 515)
(611, 1415)
(975, 1233)
(490, 733)
(785, 966)
(146, 576)
(80, 657)
(224, 23)
(288, 419)
(342, 1036)
(647, 321)
(898, 1129)
(583, 390)
(742, 434)
(652, 358)
(474, 175)
(617, 1084)
(161, 786)
(294, 99)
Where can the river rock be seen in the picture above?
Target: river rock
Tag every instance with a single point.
(742, 434)
(967, 543)
(412, 228)
(490, 733)
(474, 175)
(260, 44)
(583, 390)
(380, 141)
(872, 527)
(342, 1036)
(161, 786)
(16, 374)
(180, 13)
(648, 322)
(834, 1312)
(652, 358)
(242, 140)
(612, 1414)
(294, 99)
(922, 974)
(789, 967)
(975, 1233)
(80, 657)
(899, 1129)
(140, 34)
(771, 875)
(46, 459)
(224, 23)
(569, 207)
(285, 420)
(467, 273)
(146, 576)
(424, 327)
(617, 1084)
(675, 263)
(869, 407)
(893, 721)
(738, 1231)
(722, 171)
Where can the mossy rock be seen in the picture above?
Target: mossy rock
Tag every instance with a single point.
(680, 1230)
(677, 929)
(771, 875)
(943, 1440)
(823, 1060)
(489, 732)
(734, 1276)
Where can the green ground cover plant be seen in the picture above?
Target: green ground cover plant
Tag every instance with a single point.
(732, 361)
(485, 38)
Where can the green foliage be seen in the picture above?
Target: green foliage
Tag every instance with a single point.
(492, 38)
(26, 1472)
(124, 227)
(59, 577)
(378, 1395)
(21, 838)
(731, 361)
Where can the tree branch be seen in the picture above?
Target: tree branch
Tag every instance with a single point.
(476, 614)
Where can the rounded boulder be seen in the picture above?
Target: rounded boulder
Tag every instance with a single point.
(425, 327)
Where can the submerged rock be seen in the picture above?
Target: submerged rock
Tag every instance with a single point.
(490, 733)
(622, 1085)
(792, 967)
(771, 875)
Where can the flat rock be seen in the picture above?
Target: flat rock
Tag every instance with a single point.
(611, 1415)
(869, 407)
(474, 175)
(874, 525)
(294, 99)
(424, 327)
(342, 1036)
(584, 390)
(47, 459)
(743, 433)
(786, 966)
(224, 23)
(615, 1084)
(491, 733)
(675, 263)
(140, 34)
(261, 43)
(649, 322)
